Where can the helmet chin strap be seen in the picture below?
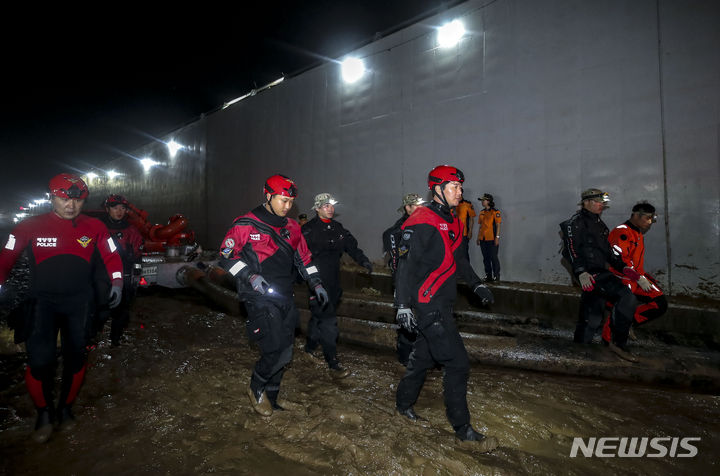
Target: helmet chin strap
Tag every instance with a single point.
(269, 205)
(441, 197)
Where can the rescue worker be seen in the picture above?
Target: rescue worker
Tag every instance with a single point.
(61, 245)
(628, 240)
(391, 240)
(426, 288)
(465, 213)
(328, 240)
(260, 250)
(585, 238)
(129, 243)
(391, 236)
(488, 239)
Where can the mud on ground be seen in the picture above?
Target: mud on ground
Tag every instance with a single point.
(172, 400)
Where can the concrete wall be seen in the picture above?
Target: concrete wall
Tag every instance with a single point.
(541, 100)
(176, 185)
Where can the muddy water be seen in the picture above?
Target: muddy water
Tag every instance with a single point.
(172, 401)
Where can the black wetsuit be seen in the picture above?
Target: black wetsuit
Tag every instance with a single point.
(328, 240)
(586, 240)
(431, 254)
(391, 241)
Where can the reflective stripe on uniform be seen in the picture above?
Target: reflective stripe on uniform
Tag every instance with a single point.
(10, 242)
(237, 267)
(117, 275)
(111, 244)
(311, 270)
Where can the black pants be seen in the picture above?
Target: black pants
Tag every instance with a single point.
(121, 314)
(607, 287)
(322, 327)
(271, 324)
(68, 315)
(490, 258)
(438, 342)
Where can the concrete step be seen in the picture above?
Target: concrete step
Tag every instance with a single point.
(660, 364)
(534, 331)
(689, 321)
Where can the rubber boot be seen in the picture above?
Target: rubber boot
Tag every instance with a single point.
(337, 371)
(622, 352)
(484, 444)
(43, 425)
(66, 418)
(259, 401)
(410, 414)
(272, 395)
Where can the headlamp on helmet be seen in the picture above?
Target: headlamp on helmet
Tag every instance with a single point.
(68, 186)
(114, 199)
(595, 195)
(323, 199)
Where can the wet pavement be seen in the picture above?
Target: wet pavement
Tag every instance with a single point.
(171, 400)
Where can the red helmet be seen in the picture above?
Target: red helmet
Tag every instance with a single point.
(68, 186)
(280, 185)
(114, 199)
(444, 173)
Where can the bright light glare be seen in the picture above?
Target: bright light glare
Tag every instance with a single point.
(450, 33)
(147, 163)
(112, 174)
(352, 69)
(173, 147)
(91, 175)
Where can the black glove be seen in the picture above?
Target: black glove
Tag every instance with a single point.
(406, 319)
(258, 283)
(322, 295)
(368, 265)
(115, 295)
(483, 292)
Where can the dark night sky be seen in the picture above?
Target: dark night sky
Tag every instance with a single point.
(79, 86)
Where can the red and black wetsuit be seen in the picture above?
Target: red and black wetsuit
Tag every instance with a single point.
(61, 253)
(431, 254)
(271, 246)
(129, 243)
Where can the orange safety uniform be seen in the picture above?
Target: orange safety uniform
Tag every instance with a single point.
(465, 213)
(488, 221)
(628, 241)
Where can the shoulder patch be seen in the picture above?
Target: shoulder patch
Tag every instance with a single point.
(497, 214)
(229, 243)
(407, 234)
